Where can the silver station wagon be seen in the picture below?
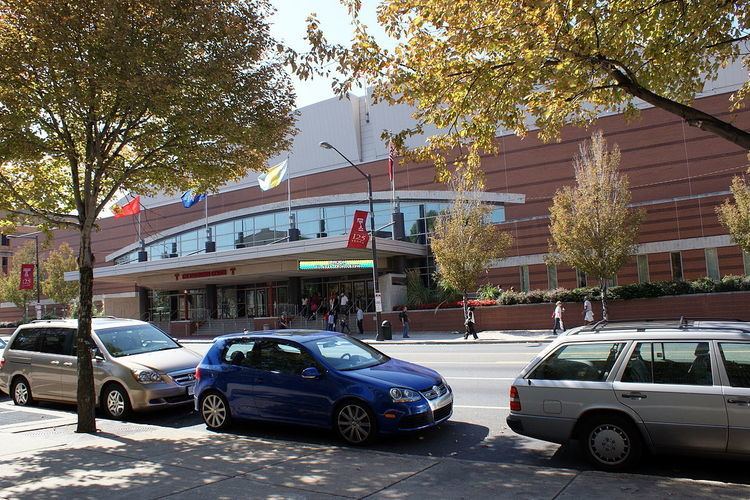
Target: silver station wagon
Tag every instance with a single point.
(621, 389)
(136, 365)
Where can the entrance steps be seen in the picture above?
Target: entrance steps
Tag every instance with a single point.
(216, 327)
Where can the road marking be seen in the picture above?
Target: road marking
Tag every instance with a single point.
(480, 378)
(482, 407)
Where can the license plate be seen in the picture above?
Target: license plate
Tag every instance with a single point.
(191, 390)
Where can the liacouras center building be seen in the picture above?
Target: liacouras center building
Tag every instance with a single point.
(259, 269)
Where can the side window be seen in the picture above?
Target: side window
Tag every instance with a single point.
(239, 353)
(736, 359)
(585, 362)
(28, 340)
(678, 363)
(281, 358)
(57, 341)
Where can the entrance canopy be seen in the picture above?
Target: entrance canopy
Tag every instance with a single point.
(243, 265)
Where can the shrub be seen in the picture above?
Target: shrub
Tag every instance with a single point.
(488, 291)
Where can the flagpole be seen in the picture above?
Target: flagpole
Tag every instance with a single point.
(289, 189)
(205, 213)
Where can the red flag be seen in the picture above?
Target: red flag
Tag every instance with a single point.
(133, 207)
(27, 277)
(391, 155)
(358, 236)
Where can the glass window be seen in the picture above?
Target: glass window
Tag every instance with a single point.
(308, 214)
(345, 353)
(675, 259)
(272, 356)
(58, 341)
(28, 340)
(590, 362)
(736, 357)
(136, 339)
(582, 279)
(188, 243)
(678, 363)
(551, 276)
(498, 215)
(643, 273)
(524, 277)
(712, 264)
(238, 353)
(224, 228)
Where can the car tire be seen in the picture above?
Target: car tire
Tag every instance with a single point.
(215, 412)
(20, 391)
(611, 442)
(115, 402)
(355, 423)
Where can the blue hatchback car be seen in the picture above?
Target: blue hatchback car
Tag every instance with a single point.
(317, 378)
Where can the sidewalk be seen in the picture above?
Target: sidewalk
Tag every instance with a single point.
(148, 462)
(485, 337)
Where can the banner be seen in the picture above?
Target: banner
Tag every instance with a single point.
(358, 236)
(27, 277)
(273, 176)
(189, 199)
(133, 207)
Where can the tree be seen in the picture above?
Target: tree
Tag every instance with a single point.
(100, 97)
(9, 284)
(472, 67)
(465, 242)
(734, 213)
(592, 227)
(54, 286)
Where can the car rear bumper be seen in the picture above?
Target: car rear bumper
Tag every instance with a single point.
(552, 429)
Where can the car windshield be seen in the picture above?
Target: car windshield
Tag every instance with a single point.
(135, 339)
(344, 353)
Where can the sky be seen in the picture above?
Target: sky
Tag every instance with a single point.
(288, 25)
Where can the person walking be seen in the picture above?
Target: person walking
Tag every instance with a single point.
(331, 319)
(344, 303)
(558, 317)
(588, 311)
(404, 317)
(305, 311)
(344, 315)
(360, 320)
(469, 324)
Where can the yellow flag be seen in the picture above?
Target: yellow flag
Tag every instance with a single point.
(273, 176)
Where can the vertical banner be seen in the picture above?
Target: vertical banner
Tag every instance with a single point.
(27, 277)
(358, 236)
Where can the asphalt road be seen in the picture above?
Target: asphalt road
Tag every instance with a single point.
(480, 375)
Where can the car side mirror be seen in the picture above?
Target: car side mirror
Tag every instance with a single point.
(311, 372)
(97, 354)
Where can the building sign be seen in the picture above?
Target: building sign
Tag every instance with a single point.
(358, 236)
(321, 265)
(27, 277)
(378, 302)
(203, 274)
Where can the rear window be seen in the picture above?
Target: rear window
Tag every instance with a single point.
(674, 363)
(238, 352)
(736, 357)
(590, 362)
(28, 339)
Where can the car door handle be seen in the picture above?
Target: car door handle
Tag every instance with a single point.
(634, 395)
(54, 362)
(67, 363)
(739, 402)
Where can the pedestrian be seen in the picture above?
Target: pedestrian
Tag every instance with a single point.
(244, 330)
(558, 317)
(360, 320)
(314, 306)
(588, 311)
(404, 322)
(345, 322)
(469, 324)
(331, 319)
(344, 303)
(283, 322)
(305, 307)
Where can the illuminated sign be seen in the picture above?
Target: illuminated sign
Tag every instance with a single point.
(314, 265)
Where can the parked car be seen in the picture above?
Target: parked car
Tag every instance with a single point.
(623, 389)
(318, 378)
(136, 365)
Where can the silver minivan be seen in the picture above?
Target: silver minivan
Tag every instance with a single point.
(136, 365)
(623, 389)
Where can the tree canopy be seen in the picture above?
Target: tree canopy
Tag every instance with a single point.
(592, 227)
(734, 213)
(10, 283)
(59, 261)
(471, 67)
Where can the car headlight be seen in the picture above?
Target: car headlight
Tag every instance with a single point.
(146, 376)
(404, 395)
(444, 382)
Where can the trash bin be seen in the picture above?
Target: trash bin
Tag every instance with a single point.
(385, 328)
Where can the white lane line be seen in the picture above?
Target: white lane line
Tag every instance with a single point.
(480, 378)
(482, 407)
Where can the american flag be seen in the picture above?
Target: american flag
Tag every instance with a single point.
(391, 155)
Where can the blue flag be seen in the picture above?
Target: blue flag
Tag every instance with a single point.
(189, 199)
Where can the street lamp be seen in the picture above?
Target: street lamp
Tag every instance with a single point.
(376, 289)
(38, 270)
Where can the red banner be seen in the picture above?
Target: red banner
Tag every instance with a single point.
(358, 236)
(27, 277)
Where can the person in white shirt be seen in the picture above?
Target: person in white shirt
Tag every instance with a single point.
(588, 311)
(360, 320)
(557, 315)
(344, 303)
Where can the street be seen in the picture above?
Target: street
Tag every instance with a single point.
(480, 375)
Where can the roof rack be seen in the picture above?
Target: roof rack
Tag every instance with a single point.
(684, 323)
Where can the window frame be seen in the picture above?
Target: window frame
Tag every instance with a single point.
(551, 276)
(614, 371)
(295, 345)
(642, 267)
(39, 335)
(725, 381)
(525, 284)
(681, 277)
(717, 377)
(712, 257)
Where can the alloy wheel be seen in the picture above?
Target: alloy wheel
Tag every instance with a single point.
(115, 403)
(21, 394)
(354, 424)
(609, 444)
(214, 411)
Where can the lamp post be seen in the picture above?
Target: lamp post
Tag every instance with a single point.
(38, 270)
(376, 288)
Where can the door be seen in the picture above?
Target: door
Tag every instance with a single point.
(735, 357)
(674, 389)
(280, 392)
(238, 375)
(69, 366)
(48, 363)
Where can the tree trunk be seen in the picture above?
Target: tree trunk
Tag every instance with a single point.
(603, 289)
(85, 397)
